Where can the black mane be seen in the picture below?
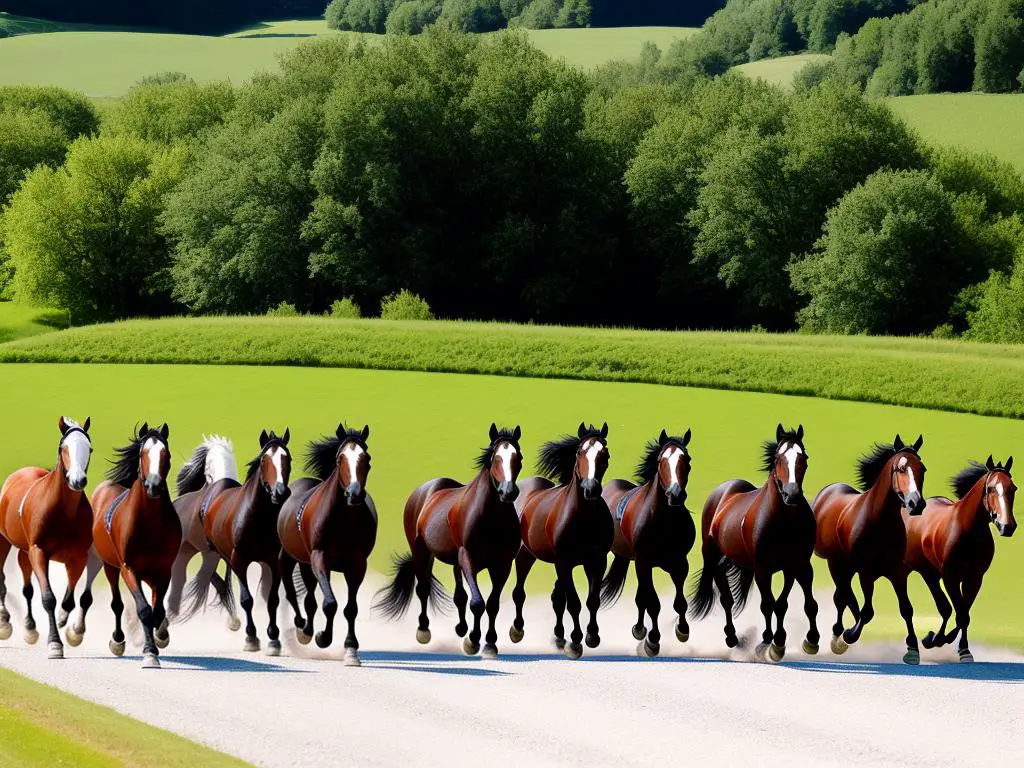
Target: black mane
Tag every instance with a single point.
(558, 457)
(322, 454)
(192, 475)
(125, 467)
(965, 479)
(647, 469)
(870, 466)
(770, 449)
(483, 461)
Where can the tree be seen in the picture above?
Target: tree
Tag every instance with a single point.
(27, 138)
(998, 312)
(84, 238)
(473, 15)
(412, 16)
(999, 45)
(359, 15)
(69, 111)
(167, 112)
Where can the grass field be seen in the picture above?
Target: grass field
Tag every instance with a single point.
(108, 63)
(18, 321)
(43, 727)
(428, 425)
(780, 71)
(945, 375)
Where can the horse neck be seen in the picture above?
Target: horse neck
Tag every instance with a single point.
(653, 498)
(254, 495)
(479, 497)
(881, 498)
(970, 510)
(770, 492)
(68, 500)
(143, 506)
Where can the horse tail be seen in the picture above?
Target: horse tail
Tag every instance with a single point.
(222, 588)
(740, 580)
(703, 592)
(394, 599)
(614, 581)
(194, 600)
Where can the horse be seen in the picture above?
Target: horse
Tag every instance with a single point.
(569, 525)
(952, 542)
(212, 461)
(46, 516)
(863, 533)
(240, 524)
(654, 528)
(136, 534)
(329, 524)
(472, 528)
(749, 534)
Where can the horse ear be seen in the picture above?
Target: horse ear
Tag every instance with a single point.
(800, 432)
(517, 433)
(898, 442)
(340, 431)
(919, 442)
(287, 436)
(165, 431)
(686, 437)
(62, 425)
(779, 433)
(662, 438)
(989, 464)
(85, 426)
(493, 433)
(582, 430)
(264, 439)
(604, 430)
(1009, 463)
(366, 432)
(144, 428)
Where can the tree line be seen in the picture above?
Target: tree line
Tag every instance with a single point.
(497, 183)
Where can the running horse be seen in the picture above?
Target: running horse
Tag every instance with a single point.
(569, 525)
(749, 534)
(952, 542)
(654, 528)
(863, 533)
(46, 516)
(137, 534)
(329, 523)
(240, 524)
(470, 527)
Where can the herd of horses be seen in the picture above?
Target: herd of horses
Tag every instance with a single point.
(567, 516)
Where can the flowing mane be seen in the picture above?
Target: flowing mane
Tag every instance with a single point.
(965, 479)
(770, 449)
(125, 467)
(558, 457)
(322, 454)
(870, 465)
(253, 466)
(647, 468)
(193, 474)
(483, 461)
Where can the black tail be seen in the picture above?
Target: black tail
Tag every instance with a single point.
(394, 599)
(222, 587)
(703, 592)
(739, 584)
(614, 581)
(196, 593)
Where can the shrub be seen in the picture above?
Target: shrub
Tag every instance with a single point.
(284, 309)
(404, 305)
(345, 308)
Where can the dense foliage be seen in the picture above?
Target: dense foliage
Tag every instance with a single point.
(413, 16)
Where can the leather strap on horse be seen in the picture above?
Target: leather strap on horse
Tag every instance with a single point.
(113, 508)
(620, 508)
(302, 508)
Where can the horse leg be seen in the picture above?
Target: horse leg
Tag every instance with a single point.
(179, 575)
(93, 566)
(161, 635)
(273, 601)
(899, 585)
(239, 566)
(461, 600)
(471, 645)
(970, 588)
(353, 579)
(595, 572)
(117, 606)
(936, 639)
(778, 647)
(524, 562)
(330, 603)
(74, 571)
(843, 598)
(31, 635)
(150, 652)
(727, 600)
(572, 601)
(763, 579)
(499, 575)
(286, 563)
(867, 613)
(647, 602)
(423, 564)
(805, 578)
(678, 575)
(41, 568)
(5, 616)
(558, 605)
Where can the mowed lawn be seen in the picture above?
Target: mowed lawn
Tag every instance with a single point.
(108, 63)
(428, 425)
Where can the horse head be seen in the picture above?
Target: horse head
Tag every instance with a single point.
(353, 462)
(74, 451)
(907, 474)
(503, 461)
(592, 459)
(999, 493)
(275, 465)
(154, 459)
(673, 467)
(787, 461)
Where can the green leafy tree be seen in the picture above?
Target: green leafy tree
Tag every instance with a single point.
(27, 138)
(405, 305)
(413, 16)
(999, 48)
(180, 110)
(473, 15)
(70, 111)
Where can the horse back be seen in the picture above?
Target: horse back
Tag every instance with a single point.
(12, 494)
(419, 500)
(724, 492)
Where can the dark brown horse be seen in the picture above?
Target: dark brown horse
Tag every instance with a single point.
(240, 523)
(46, 516)
(952, 542)
(654, 528)
(329, 524)
(568, 525)
(749, 534)
(470, 527)
(863, 533)
(137, 534)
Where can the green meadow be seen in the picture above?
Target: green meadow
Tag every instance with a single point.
(19, 321)
(426, 425)
(780, 71)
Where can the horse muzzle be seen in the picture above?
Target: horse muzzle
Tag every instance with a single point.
(153, 484)
(508, 492)
(77, 484)
(1006, 529)
(591, 488)
(676, 495)
(791, 493)
(279, 493)
(914, 504)
(355, 493)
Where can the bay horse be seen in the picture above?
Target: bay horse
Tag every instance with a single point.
(212, 461)
(952, 542)
(749, 534)
(569, 525)
(863, 533)
(46, 516)
(472, 528)
(240, 524)
(329, 524)
(653, 527)
(136, 534)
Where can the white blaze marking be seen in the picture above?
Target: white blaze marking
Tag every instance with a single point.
(155, 449)
(276, 456)
(505, 453)
(791, 453)
(673, 456)
(910, 477)
(78, 456)
(1001, 493)
(592, 451)
(352, 453)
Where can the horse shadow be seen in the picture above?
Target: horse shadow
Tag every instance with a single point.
(981, 671)
(430, 663)
(212, 664)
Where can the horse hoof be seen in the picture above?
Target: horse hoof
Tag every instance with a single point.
(252, 645)
(776, 652)
(162, 641)
(55, 651)
(273, 648)
(461, 629)
(235, 624)
(422, 636)
(117, 648)
(323, 640)
(760, 651)
(966, 657)
(515, 635)
(912, 657)
(6, 630)
(731, 641)
(593, 641)
(839, 646)
(470, 648)
(352, 658)
(681, 636)
(559, 643)
(150, 661)
(31, 636)
(928, 641)
(646, 649)
(62, 619)
(490, 651)
(810, 648)
(302, 637)
(639, 631)
(574, 650)
(73, 636)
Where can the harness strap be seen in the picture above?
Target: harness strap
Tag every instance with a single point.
(113, 508)
(620, 508)
(302, 508)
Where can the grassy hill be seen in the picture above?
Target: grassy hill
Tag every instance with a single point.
(18, 321)
(780, 71)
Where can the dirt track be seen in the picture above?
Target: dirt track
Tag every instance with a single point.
(431, 706)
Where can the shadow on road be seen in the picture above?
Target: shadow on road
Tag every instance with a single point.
(210, 664)
(997, 672)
